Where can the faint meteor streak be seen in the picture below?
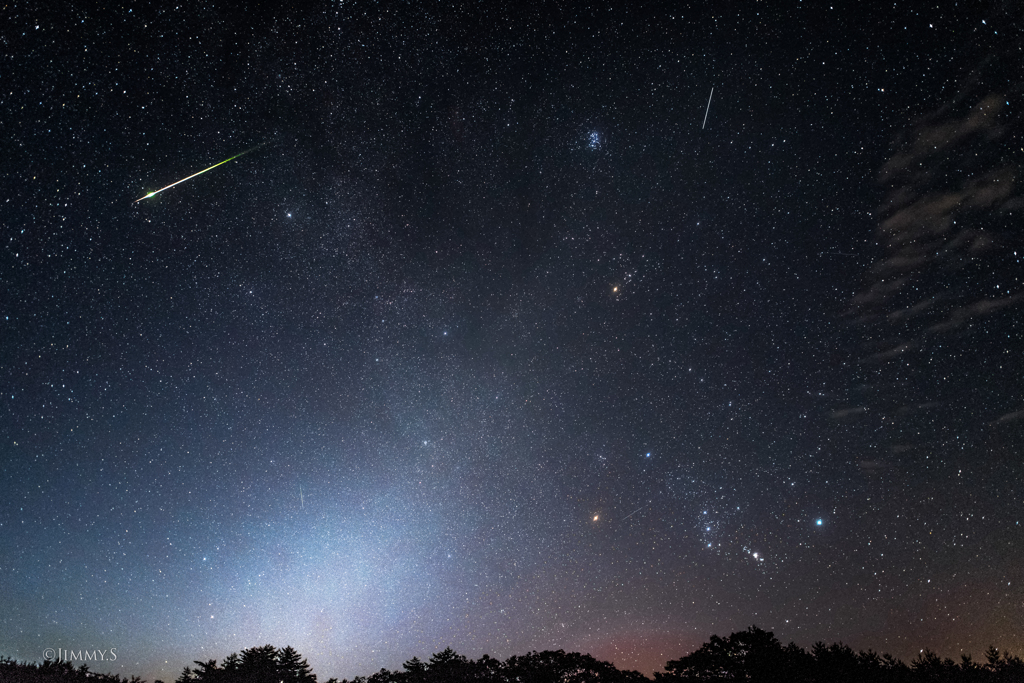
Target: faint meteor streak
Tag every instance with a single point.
(633, 512)
(156, 192)
(705, 111)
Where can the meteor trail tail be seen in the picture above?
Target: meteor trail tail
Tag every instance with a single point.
(708, 109)
(633, 512)
(156, 192)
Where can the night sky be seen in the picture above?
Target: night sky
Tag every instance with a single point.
(502, 336)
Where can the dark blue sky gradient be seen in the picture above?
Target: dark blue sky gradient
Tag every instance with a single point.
(492, 346)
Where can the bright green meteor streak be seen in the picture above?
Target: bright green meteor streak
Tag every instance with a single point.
(155, 192)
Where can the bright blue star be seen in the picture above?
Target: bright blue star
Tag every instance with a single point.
(818, 522)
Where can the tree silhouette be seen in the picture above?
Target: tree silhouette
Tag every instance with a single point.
(264, 664)
(292, 668)
(1005, 669)
(52, 671)
(752, 655)
(535, 667)
(449, 667)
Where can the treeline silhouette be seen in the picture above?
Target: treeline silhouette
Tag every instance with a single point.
(754, 655)
(12, 671)
(757, 656)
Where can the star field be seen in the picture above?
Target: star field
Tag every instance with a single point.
(495, 343)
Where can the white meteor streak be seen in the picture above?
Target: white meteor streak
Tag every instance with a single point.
(155, 192)
(708, 109)
(633, 512)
